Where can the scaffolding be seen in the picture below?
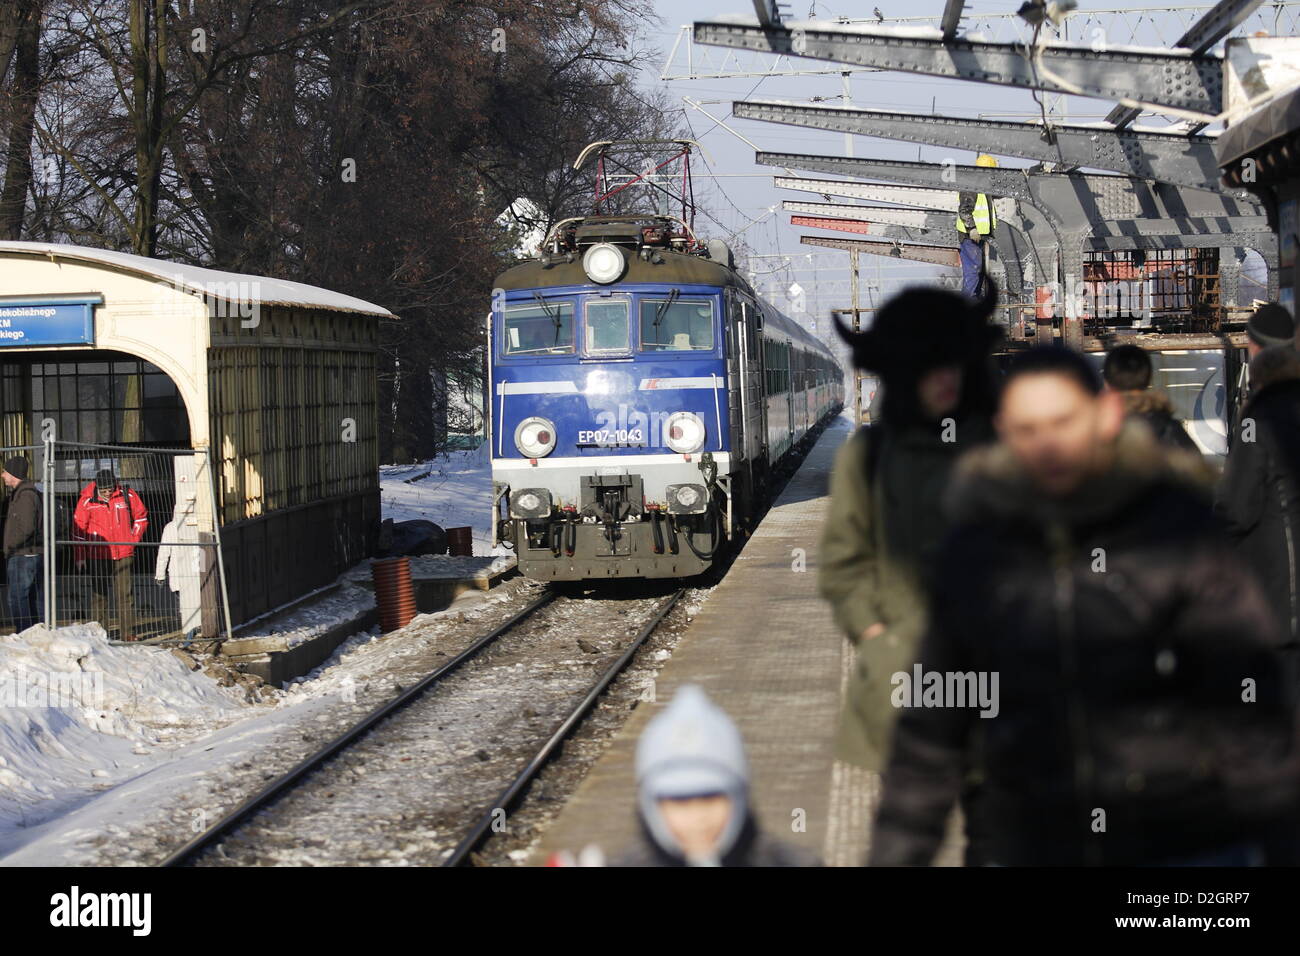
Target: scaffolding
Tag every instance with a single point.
(1166, 290)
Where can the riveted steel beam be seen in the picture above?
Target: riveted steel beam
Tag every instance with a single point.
(935, 255)
(916, 218)
(1181, 80)
(1110, 212)
(859, 226)
(864, 227)
(1023, 234)
(1220, 20)
(1072, 201)
(923, 225)
(1171, 158)
(939, 226)
(943, 199)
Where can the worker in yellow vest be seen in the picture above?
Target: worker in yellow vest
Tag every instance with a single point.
(976, 220)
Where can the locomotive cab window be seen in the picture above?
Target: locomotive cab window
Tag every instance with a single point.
(606, 326)
(676, 325)
(542, 327)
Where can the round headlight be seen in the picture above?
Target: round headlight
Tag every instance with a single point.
(528, 501)
(535, 437)
(684, 432)
(687, 496)
(604, 263)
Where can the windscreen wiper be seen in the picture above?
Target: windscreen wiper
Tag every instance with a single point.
(553, 316)
(662, 310)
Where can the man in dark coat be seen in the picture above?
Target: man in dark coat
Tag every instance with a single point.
(22, 545)
(1127, 370)
(1259, 496)
(1140, 713)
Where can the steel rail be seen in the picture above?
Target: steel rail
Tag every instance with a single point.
(285, 781)
(482, 829)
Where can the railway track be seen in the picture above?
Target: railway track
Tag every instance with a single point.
(481, 831)
(475, 836)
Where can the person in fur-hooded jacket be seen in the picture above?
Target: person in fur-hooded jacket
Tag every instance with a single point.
(1259, 496)
(1128, 371)
(1142, 712)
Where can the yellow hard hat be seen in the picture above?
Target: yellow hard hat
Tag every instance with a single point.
(984, 159)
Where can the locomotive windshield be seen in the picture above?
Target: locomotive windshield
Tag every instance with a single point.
(539, 328)
(676, 325)
(607, 325)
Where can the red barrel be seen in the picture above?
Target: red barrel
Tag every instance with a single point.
(394, 595)
(460, 542)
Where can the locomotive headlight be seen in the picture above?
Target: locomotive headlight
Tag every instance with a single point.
(686, 499)
(535, 437)
(684, 432)
(604, 263)
(530, 503)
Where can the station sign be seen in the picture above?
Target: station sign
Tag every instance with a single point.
(48, 321)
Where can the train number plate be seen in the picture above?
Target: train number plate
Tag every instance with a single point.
(612, 437)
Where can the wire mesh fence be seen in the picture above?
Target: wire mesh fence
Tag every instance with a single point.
(127, 536)
(24, 540)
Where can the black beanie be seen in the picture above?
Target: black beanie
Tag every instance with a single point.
(1271, 324)
(17, 467)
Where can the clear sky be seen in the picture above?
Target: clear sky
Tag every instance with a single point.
(741, 192)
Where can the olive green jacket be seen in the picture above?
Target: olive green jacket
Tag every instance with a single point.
(870, 582)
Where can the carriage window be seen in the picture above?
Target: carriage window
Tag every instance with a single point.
(676, 326)
(539, 328)
(607, 321)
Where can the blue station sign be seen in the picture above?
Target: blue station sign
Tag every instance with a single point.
(48, 321)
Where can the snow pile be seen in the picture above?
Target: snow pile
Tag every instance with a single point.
(77, 713)
(259, 289)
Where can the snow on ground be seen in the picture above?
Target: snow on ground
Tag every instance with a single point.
(79, 715)
(318, 616)
(369, 657)
(93, 733)
(453, 490)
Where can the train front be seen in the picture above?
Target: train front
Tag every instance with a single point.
(609, 413)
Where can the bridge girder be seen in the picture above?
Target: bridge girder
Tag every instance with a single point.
(1168, 157)
(1115, 212)
(1178, 79)
(914, 251)
(1071, 200)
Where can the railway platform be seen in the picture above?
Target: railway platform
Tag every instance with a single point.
(764, 647)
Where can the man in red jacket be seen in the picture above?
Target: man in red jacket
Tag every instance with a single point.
(114, 516)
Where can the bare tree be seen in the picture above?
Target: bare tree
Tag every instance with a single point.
(20, 49)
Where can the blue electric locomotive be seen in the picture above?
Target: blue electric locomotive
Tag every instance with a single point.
(641, 394)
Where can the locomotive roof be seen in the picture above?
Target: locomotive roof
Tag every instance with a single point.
(677, 269)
